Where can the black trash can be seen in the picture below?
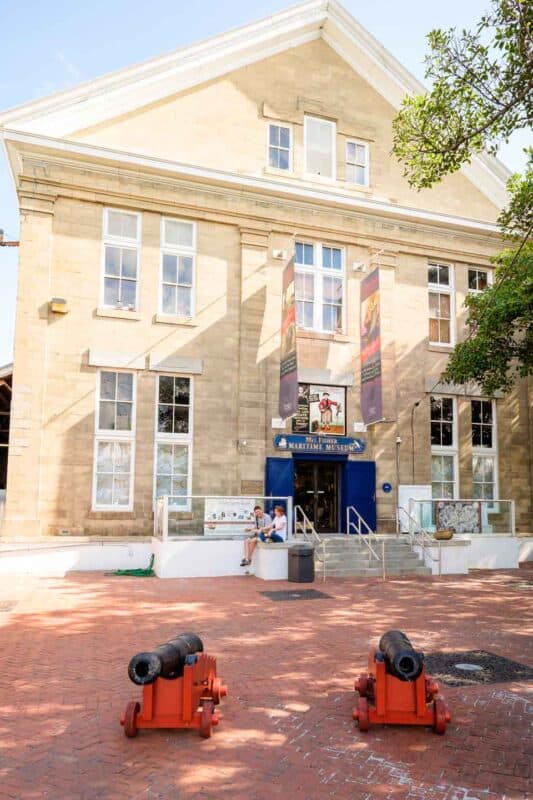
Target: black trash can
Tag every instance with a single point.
(301, 563)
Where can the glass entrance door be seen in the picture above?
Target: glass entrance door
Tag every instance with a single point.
(316, 490)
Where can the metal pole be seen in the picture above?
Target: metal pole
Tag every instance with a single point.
(513, 518)
(383, 559)
(415, 406)
(289, 518)
(398, 445)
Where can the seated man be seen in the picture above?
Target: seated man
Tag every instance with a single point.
(261, 522)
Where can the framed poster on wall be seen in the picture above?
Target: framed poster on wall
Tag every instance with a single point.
(321, 410)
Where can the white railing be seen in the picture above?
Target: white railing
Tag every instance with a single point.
(419, 537)
(467, 515)
(304, 526)
(365, 534)
(200, 516)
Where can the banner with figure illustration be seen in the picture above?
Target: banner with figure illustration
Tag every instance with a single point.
(288, 389)
(371, 389)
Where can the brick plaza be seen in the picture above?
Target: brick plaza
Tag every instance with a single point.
(286, 730)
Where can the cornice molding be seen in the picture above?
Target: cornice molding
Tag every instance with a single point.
(261, 187)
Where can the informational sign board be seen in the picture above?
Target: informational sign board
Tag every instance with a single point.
(227, 516)
(319, 444)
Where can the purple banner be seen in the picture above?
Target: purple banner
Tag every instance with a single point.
(371, 394)
(288, 386)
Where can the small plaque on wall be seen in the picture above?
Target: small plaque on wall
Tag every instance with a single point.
(252, 488)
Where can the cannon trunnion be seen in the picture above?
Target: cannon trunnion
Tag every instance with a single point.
(180, 688)
(396, 689)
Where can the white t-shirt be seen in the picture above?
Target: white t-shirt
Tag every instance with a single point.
(280, 526)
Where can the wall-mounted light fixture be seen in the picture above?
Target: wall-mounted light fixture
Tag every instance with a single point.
(242, 445)
(58, 305)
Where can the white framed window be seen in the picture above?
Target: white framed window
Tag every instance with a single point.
(357, 163)
(173, 440)
(444, 447)
(114, 447)
(121, 259)
(441, 304)
(279, 146)
(320, 287)
(319, 144)
(484, 449)
(478, 280)
(178, 267)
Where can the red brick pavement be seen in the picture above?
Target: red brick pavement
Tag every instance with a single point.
(286, 730)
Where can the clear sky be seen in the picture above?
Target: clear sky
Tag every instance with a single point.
(49, 46)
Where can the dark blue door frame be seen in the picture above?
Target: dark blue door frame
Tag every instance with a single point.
(357, 483)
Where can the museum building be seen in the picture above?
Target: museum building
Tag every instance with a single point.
(159, 208)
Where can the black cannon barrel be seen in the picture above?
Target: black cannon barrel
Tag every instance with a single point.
(401, 658)
(164, 661)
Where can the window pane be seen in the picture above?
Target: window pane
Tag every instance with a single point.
(447, 436)
(434, 305)
(360, 154)
(179, 487)
(299, 253)
(488, 470)
(447, 490)
(121, 224)
(436, 408)
(108, 383)
(169, 299)
(273, 157)
(180, 460)
(273, 135)
(163, 486)
(445, 306)
(319, 146)
(129, 263)
(128, 292)
(184, 302)
(476, 410)
(104, 458)
(104, 490)
(124, 386)
(433, 330)
(351, 173)
(360, 176)
(478, 491)
(284, 137)
(435, 433)
(444, 275)
(486, 410)
(472, 279)
(121, 491)
(179, 234)
(476, 435)
(447, 468)
(112, 260)
(486, 436)
(185, 270)
(332, 290)
(482, 281)
(326, 257)
(124, 416)
(106, 419)
(164, 419)
(445, 332)
(181, 419)
(433, 273)
(329, 318)
(164, 459)
(170, 268)
(447, 408)
(122, 456)
(166, 389)
(182, 390)
(283, 160)
(111, 291)
(309, 259)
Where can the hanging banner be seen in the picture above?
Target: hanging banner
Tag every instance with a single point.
(288, 389)
(371, 394)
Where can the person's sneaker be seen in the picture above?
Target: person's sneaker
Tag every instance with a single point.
(244, 563)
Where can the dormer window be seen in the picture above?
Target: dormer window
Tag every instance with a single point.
(279, 147)
(319, 141)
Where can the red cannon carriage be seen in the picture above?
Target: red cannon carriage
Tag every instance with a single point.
(396, 690)
(180, 688)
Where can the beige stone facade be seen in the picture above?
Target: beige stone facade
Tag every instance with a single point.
(201, 155)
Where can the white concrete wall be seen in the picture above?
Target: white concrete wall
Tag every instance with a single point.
(525, 545)
(454, 557)
(495, 551)
(213, 558)
(55, 560)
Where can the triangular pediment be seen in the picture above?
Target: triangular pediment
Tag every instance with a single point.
(164, 86)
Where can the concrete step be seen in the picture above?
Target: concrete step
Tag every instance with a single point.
(372, 572)
(333, 558)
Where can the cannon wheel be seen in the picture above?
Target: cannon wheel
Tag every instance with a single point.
(362, 685)
(362, 714)
(206, 720)
(439, 716)
(130, 724)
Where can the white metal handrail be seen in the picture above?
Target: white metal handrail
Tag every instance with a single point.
(367, 536)
(302, 524)
(419, 537)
